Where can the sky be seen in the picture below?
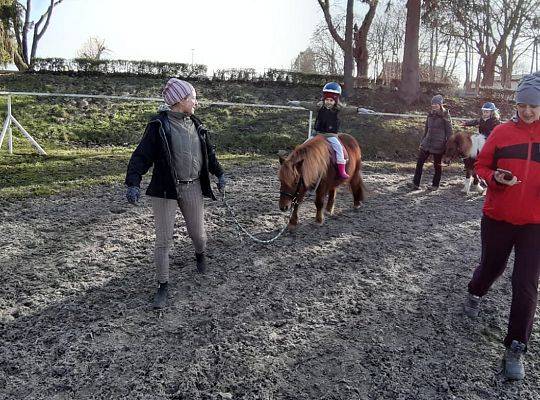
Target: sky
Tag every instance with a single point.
(218, 33)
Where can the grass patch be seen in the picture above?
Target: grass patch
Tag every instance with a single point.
(26, 174)
(64, 169)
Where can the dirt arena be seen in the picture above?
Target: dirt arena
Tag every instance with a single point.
(366, 306)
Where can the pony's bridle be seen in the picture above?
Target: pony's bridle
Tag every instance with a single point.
(294, 196)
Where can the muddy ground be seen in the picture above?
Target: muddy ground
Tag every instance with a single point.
(368, 306)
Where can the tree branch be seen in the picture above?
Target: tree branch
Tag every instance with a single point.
(39, 34)
(325, 6)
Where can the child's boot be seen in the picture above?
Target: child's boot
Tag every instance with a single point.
(342, 173)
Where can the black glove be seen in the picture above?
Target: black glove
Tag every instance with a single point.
(133, 195)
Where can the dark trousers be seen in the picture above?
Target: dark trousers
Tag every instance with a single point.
(422, 158)
(498, 239)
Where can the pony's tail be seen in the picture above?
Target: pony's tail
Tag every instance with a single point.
(363, 191)
(358, 188)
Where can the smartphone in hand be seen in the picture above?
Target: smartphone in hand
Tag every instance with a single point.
(508, 175)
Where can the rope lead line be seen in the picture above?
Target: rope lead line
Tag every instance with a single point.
(255, 239)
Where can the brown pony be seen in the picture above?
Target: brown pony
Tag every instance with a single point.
(465, 146)
(310, 165)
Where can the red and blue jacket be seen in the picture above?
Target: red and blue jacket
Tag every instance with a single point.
(513, 146)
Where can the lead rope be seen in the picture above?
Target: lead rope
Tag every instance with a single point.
(256, 239)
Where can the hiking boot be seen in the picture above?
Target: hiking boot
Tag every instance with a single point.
(412, 186)
(513, 361)
(201, 263)
(160, 298)
(471, 308)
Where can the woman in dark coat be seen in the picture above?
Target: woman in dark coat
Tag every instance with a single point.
(437, 131)
(177, 145)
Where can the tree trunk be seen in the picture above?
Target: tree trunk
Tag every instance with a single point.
(468, 62)
(409, 88)
(346, 43)
(488, 70)
(535, 55)
(433, 53)
(348, 58)
(478, 77)
(25, 30)
(19, 62)
(360, 41)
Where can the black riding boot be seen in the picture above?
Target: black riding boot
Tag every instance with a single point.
(160, 298)
(201, 262)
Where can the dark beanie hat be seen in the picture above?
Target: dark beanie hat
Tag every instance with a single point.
(528, 90)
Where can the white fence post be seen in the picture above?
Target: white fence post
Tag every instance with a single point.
(7, 121)
(10, 140)
(309, 129)
(10, 131)
(7, 129)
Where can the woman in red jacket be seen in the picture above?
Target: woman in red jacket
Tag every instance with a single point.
(510, 163)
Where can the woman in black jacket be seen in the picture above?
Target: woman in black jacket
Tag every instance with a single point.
(177, 145)
(438, 129)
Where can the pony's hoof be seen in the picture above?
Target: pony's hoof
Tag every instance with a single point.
(329, 212)
(292, 228)
(357, 206)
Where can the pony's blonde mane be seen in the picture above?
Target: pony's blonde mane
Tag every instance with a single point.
(315, 158)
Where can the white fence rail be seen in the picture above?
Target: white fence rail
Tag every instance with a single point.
(6, 129)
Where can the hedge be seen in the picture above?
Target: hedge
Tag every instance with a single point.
(118, 67)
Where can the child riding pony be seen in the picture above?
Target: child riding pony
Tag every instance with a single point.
(310, 167)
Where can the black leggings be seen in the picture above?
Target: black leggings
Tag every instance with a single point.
(422, 157)
(498, 239)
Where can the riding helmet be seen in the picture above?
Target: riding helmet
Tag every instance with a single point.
(332, 87)
(489, 106)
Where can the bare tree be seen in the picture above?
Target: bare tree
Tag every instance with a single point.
(328, 55)
(521, 41)
(305, 62)
(346, 42)
(386, 41)
(438, 49)
(488, 25)
(27, 32)
(94, 48)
